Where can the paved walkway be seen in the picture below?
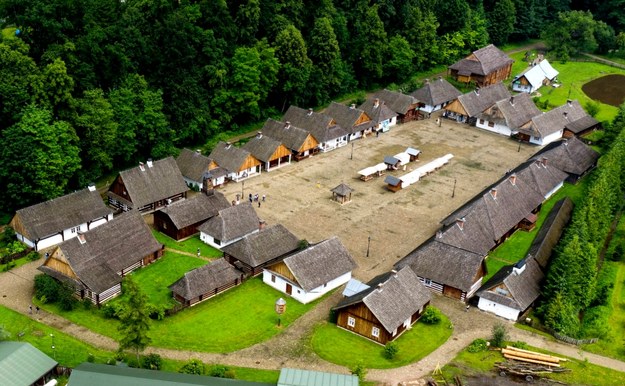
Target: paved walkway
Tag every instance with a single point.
(291, 348)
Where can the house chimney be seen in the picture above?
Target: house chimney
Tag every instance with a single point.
(427, 81)
(91, 187)
(210, 192)
(198, 151)
(569, 102)
(352, 106)
(380, 285)
(565, 114)
(81, 238)
(149, 162)
(493, 193)
(439, 234)
(376, 103)
(261, 225)
(310, 112)
(228, 144)
(460, 222)
(287, 125)
(141, 167)
(259, 134)
(513, 179)
(543, 161)
(440, 78)
(477, 91)
(511, 101)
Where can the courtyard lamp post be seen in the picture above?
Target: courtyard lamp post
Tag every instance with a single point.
(280, 308)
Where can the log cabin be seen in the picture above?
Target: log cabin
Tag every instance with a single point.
(435, 95)
(386, 307)
(484, 67)
(270, 152)
(406, 106)
(94, 263)
(148, 186)
(50, 223)
(467, 106)
(194, 166)
(229, 225)
(322, 127)
(301, 142)
(309, 274)
(239, 163)
(356, 121)
(549, 234)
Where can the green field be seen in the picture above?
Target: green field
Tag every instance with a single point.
(190, 245)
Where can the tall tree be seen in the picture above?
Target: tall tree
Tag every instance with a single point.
(420, 31)
(399, 65)
(369, 45)
(39, 155)
(451, 15)
(17, 71)
(295, 69)
(326, 57)
(501, 21)
(248, 19)
(134, 318)
(53, 88)
(571, 34)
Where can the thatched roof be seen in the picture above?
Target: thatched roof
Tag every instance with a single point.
(53, 216)
(477, 101)
(262, 147)
(342, 190)
(231, 157)
(320, 125)
(232, 222)
(550, 232)
(520, 282)
(320, 263)
(266, 245)
(108, 249)
(483, 61)
(193, 164)
(554, 120)
(444, 263)
(195, 209)
(436, 92)
(377, 110)
(205, 279)
(571, 156)
(396, 101)
(291, 136)
(348, 117)
(514, 112)
(150, 184)
(392, 297)
(583, 123)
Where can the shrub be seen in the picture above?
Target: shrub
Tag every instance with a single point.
(86, 304)
(46, 288)
(90, 358)
(194, 366)
(592, 108)
(478, 345)
(33, 256)
(152, 362)
(8, 234)
(360, 371)
(112, 310)
(520, 344)
(131, 361)
(500, 333)
(111, 362)
(219, 371)
(390, 350)
(66, 298)
(156, 312)
(617, 255)
(432, 315)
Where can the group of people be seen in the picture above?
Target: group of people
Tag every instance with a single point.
(256, 198)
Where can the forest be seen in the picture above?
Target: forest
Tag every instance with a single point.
(91, 86)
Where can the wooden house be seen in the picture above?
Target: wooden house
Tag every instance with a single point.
(406, 106)
(434, 95)
(467, 106)
(229, 225)
(581, 127)
(299, 141)
(549, 234)
(342, 193)
(357, 123)
(534, 77)
(507, 116)
(391, 303)
(328, 133)
(194, 166)
(484, 67)
(511, 291)
(148, 186)
(256, 251)
(205, 282)
(572, 156)
(52, 222)
(95, 262)
(23, 364)
(381, 115)
(309, 274)
(239, 163)
(181, 219)
(270, 152)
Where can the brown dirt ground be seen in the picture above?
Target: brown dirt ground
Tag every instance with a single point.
(299, 197)
(609, 89)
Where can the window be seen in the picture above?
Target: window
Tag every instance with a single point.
(536, 138)
(491, 124)
(351, 321)
(427, 282)
(325, 285)
(481, 121)
(74, 229)
(375, 332)
(273, 278)
(218, 242)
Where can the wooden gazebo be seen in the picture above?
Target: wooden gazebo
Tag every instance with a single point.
(342, 193)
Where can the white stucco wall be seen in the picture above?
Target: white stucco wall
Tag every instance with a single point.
(191, 182)
(49, 241)
(548, 139)
(208, 239)
(499, 129)
(298, 293)
(333, 144)
(498, 309)
(521, 88)
(552, 191)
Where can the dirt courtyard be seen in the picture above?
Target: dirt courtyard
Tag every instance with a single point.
(299, 196)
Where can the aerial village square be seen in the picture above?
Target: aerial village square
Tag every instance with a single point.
(461, 228)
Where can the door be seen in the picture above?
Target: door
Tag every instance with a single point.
(289, 289)
(452, 292)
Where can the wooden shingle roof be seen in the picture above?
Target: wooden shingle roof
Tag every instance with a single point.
(291, 136)
(551, 230)
(158, 182)
(342, 190)
(396, 101)
(53, 216)
(392, 297)
(436, 92)
(483, 61)
(205, 278)
(193, 164)
(477, 101)
(377, 110)
(232, 222)
(258, 248)
(195, 209)
(349, 117)
(514, 112)
(320, 125)
(571, 156)
(262, 147)
(522, 282)
(231, 158)
(581, 124)
(320, 263)
(554, 120)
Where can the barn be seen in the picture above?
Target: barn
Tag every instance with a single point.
(484, 67)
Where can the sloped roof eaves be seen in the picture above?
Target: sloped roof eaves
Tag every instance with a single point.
(571, 155)
(192, 164)
(551, 230)
(205, 278)
(320, 263)
(378, 113)
(396, 101)
(437, 92)
(232, 222)
(53, 216)
(476, 102)
(262, 148)
(519, 111)
(342, 190)
(292, 137)
(524, 287)
(230, 157)
(155, 183)
(581, 124)
(22, 364)
(261, 247)
(195, 209)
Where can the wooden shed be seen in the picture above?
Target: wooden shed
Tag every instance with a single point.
(392, 183)
(486, 66)
(342, 193)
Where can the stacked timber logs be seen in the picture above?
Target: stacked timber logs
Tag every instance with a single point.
(532, 363)
(531, 357)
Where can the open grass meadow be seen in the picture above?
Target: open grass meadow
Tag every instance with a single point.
(190, 245)
(516, 246)
(582, 372)
(230, 321)
(348, 349)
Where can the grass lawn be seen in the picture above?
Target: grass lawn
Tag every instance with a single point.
(345, 348)
(189, 245)
(516, 246)
(582, 373)
(230, 321)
